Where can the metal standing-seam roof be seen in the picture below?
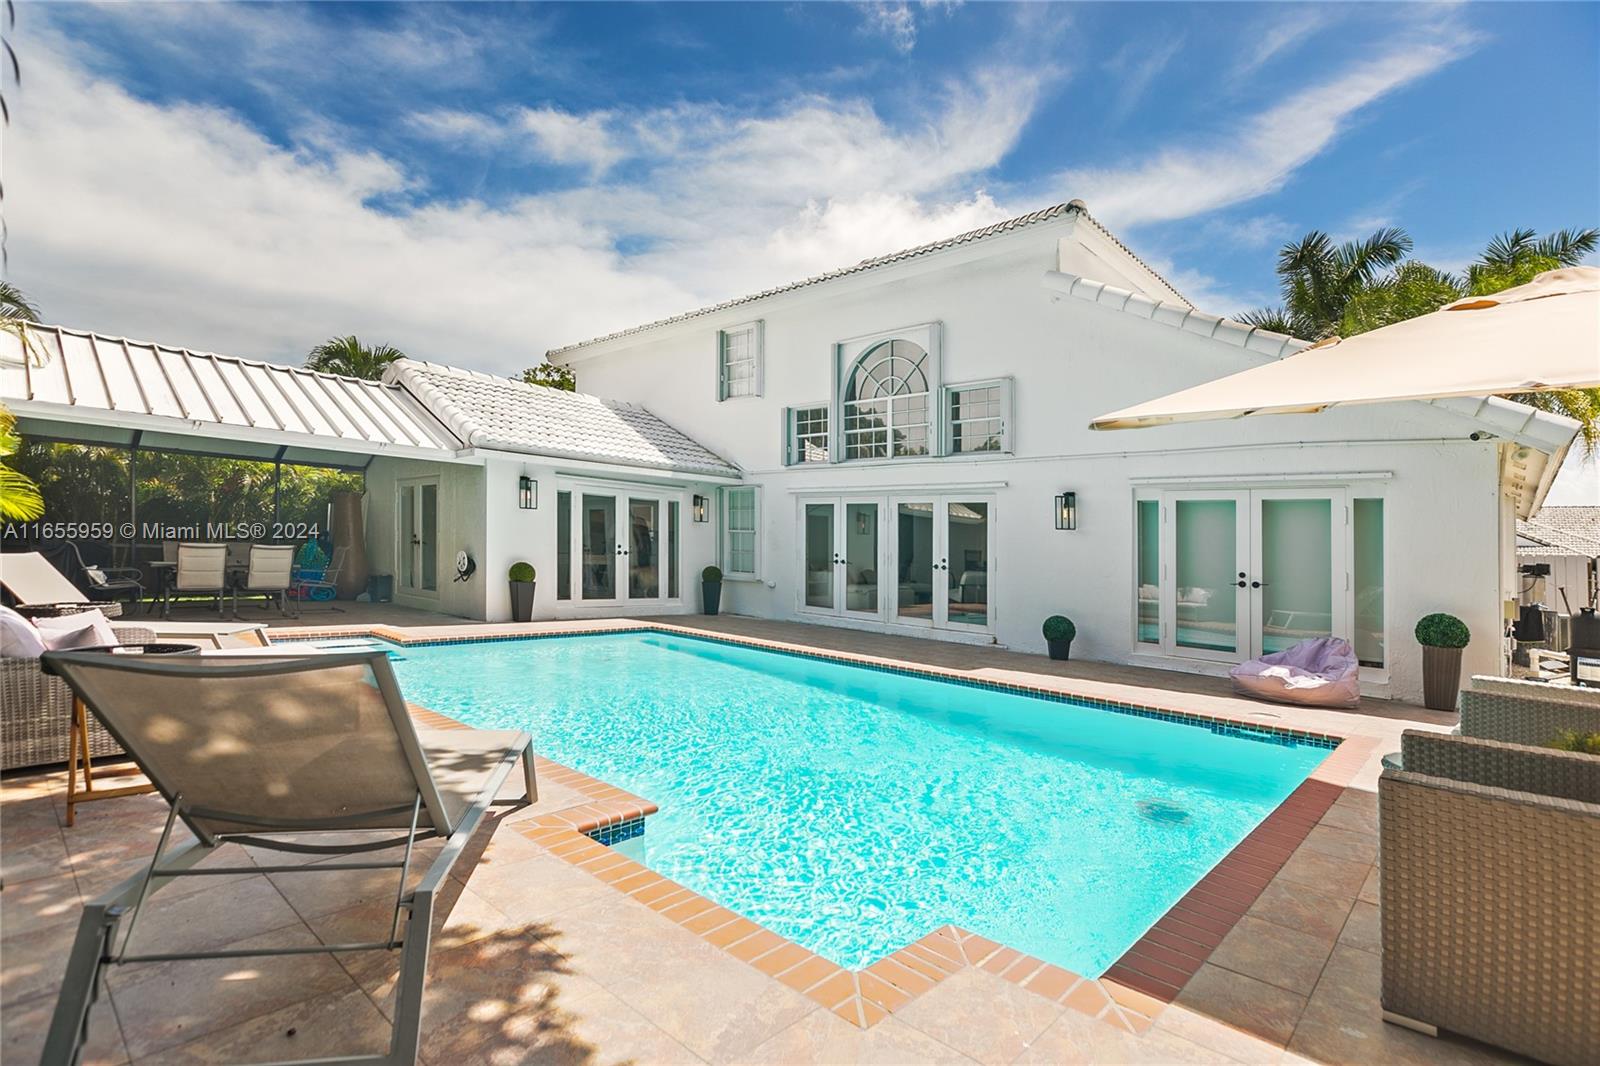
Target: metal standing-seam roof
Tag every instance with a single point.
(1561, 531)
(73, 384)
(1075, 207)
(499, 414)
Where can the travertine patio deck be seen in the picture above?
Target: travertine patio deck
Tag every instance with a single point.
(552, 952)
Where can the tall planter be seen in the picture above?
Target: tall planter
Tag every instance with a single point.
(351, 580)
(522, 601)
(1441, 677)
(711, 592)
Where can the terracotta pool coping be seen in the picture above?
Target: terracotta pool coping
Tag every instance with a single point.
(1130, 995)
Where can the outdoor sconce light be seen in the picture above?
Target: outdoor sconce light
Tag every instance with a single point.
(527, 493)
(1067, 510)
(701, 507)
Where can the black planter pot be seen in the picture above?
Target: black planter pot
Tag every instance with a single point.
(522, 601)
(712, 592)
(1059, 649)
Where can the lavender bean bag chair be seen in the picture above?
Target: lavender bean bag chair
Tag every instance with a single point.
(1317, 673)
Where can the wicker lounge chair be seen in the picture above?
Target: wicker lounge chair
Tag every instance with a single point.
(36, 711)
(263, 750)
(1491, 922)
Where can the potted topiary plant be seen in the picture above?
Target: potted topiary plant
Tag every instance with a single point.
(522, 577)
(1442, 637)
(1058, 634)
(711, 588)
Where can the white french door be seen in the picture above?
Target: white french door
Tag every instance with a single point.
(1233, 575)
(626, 545)
(921, 561)
(843, 556)
(417, 536)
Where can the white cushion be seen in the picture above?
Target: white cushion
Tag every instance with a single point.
(18, 638)
(86, 629)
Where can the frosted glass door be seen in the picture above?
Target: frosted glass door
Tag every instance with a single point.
(1293, 578)
(821, 560)
(1210, 600)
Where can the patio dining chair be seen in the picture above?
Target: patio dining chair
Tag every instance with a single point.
(39, 588)
(322, 589)
(264, 750)
(109, 582)
(270, 570)
(201, 568)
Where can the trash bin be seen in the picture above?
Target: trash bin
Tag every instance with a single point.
(380, 588)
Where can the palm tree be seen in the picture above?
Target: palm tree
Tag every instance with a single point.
(1319, 278)
(348, 356)
(13, 304)
(1359, 287)
(20, 500)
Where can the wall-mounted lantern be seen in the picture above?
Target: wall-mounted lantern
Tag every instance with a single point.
(702, 508)
(1067, 510)
(527, 493)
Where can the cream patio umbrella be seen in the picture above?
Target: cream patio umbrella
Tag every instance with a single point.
(1541, 336)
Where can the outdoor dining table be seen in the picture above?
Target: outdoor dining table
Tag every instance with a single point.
(165, 569)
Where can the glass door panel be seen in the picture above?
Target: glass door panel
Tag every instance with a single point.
(861, 558)
(1148, 594)
(914, 562)
(644, 549)
(598, 531)
(1209, 575)
(408, 536)
(966, 573)
(1367, 569)
(1295, 575)
(563, 545)
(821, 561)
(428, 536)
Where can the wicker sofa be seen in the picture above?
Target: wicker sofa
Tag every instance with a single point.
(36, 710)
(1526, 712)
(1491, 920)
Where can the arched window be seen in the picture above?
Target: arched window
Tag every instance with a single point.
(886, 403)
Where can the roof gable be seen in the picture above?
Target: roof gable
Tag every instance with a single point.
(1072, 210)
(498, 413)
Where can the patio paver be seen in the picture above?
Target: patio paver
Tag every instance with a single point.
(539, 959)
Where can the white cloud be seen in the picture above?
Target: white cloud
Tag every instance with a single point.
(1135, 68)
(187, 224)
(893, 21)
(1184, 181)
(585, 140)
(1282, 36)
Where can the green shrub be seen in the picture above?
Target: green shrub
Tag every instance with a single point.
(1442, 631)
(521, 572)
(1059, 627)
(711, 573)
(1572, 740)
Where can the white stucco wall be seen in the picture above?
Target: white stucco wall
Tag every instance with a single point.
(1071, 361)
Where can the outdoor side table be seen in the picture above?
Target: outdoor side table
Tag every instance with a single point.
(78, 732)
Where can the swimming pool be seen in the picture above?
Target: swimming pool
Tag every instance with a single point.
(853, 810)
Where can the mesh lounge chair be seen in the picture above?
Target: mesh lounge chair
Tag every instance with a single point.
(39, 588)
(271, 568)
(262, 750)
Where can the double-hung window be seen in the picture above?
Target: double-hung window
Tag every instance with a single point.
(978, 417)
(739, 361)
(741, 537)
(806, 434)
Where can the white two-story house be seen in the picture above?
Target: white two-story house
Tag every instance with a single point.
(911, 435)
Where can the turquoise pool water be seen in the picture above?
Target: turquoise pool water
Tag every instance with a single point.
(853, 810)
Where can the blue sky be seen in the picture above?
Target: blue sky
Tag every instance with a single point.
(477, 183)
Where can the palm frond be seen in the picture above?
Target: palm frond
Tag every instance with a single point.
(1275, 319)
(1505, 249)
(1569, 246)
(20, 500)
(14, 304)
(1360, 261)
